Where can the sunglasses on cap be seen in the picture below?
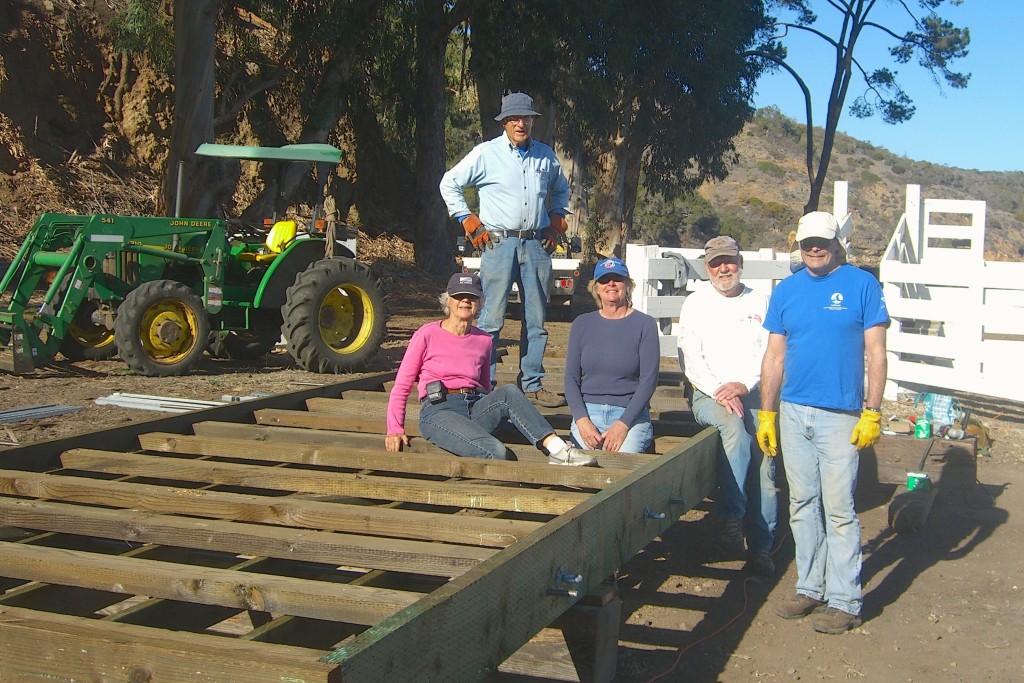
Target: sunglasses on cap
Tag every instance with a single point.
(809, 243)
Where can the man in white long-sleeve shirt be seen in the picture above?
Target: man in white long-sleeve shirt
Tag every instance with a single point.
(721, 344)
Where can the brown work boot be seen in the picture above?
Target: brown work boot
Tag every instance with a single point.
(835, 621)
(799, 607)
(545, 399)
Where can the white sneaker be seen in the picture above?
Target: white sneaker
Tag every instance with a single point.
(571, 456)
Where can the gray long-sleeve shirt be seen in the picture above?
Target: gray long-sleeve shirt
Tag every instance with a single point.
(613, 362)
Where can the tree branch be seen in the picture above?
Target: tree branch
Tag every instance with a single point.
(807, 104)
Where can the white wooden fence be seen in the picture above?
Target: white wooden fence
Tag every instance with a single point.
(958, 320)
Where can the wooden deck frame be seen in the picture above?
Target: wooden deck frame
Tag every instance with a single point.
(306, 536)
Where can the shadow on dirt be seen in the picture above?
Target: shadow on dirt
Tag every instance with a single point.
(677, 574)
(960, 521)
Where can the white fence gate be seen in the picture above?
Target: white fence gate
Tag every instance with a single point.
(958, 320)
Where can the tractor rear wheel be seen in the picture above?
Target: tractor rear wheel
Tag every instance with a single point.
(256, 342)
(88, 339)
(334, 316)
(161, 329)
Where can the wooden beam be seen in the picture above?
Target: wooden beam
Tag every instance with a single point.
(372, 442)
(592, 540)
(423, 491)
(55, 647)
(245, 590)
(438, 464)
(369, 552)
(291, 512)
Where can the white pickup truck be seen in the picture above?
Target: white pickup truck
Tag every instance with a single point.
(564, 274)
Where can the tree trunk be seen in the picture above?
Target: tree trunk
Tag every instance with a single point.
(433, 247)
(194, 39)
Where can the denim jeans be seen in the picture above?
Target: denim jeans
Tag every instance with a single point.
(463, 423)
(746, 478)
(525, 262)
(639, 437)
(821, 466)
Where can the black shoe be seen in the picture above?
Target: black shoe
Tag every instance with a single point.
(730, 543)
(760, 564)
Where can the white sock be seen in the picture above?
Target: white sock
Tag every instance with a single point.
(554, 444)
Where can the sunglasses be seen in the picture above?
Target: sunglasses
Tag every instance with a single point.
(462, 296)
(614, 277)
(812, 242)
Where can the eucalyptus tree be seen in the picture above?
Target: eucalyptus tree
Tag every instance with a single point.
(649, 92)
(914, 31)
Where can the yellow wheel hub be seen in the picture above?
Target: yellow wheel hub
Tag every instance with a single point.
(168, 331)
(346, 318)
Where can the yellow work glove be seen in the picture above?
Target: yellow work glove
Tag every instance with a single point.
(868, 429)
(475, 231)
(766, 437)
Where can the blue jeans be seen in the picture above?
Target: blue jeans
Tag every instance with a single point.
(463, 423)
(638, 439)
(821, 466)
(525, 262)
(746, 479)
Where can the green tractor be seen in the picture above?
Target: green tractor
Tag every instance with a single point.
(161, 291)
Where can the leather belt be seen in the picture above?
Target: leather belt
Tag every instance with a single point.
(521, 234)
(462, 390)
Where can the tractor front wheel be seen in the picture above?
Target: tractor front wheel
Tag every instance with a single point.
(88, 339)
(161, 329)
(334, 316)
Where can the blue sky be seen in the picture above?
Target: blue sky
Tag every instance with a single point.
(980, 127)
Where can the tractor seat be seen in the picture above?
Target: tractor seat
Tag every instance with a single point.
(279, 237)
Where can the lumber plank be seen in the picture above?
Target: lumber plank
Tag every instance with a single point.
(57, 647)
(245, 590)
(444, 465)
(590, 540)
(417, 557)
(442, 493)
(283, 511)
(373, 442)
(668, 424)
(363, 421)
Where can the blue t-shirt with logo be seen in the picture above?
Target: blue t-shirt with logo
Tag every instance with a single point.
(823, 320)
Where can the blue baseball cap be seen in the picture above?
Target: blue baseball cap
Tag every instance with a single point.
(610, 266)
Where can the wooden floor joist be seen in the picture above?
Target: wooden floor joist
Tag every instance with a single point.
(279, 541)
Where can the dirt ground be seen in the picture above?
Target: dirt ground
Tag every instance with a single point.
(943, 604)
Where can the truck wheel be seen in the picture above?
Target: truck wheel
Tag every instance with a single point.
(248, 344)
(334, 316)
(161, 329)
(87, 339)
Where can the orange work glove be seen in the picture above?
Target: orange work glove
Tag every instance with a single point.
(475, 231)
(766, 437)
(558, 223)
(868, 429)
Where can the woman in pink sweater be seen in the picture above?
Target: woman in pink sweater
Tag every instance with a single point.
(450, 362)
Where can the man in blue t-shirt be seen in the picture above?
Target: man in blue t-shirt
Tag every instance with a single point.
(822, 322)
